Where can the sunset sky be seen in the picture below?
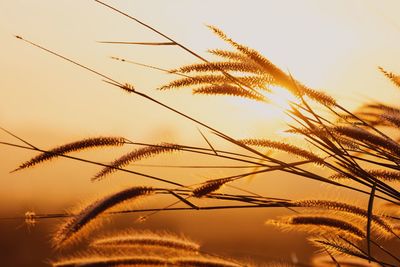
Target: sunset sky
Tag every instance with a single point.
(330, 45)
(334, 46)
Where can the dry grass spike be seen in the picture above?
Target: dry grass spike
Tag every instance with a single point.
(385, 227)
(146, 238)
(391, 76)
(83, 144)
(75, 225)
(209, 187)
(336, 247)
(227, 89)
(136, 155)
(112, 261)
(284, 147)
(318, 225)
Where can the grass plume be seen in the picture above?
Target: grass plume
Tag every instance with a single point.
(385, 226)
(227, 89)
(217, 66)
(251, 80)
(210, 186)
(385, 175)
(318, 224)
(134, 156)
(361, 134)
(337, 247)
(391, 76)
(112, 261)
(146, 238)
(83, 144)
(71, 229)
(291, 149)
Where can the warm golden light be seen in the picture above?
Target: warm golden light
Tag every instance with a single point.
(332, 46)
(282, 99)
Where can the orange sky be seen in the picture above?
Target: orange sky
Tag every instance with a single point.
(332, 45)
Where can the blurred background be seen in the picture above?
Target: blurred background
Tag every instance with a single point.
(335, 46)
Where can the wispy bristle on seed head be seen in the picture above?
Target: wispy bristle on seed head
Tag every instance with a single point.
(128, 88)
(279, 76)
(382, 108)
(324, 260)
(146, 261)
(386, 228)
(72, 228)
(112, 261)
(392, 118)
(318, 96)
(203, 262)
(284, 147)
(391, 76)
(390, 176)
(384, 175)
(318, 224)
(255, 56)
(146, 238)
(361, 134)
(136, 155)
(255, 81)
(228, 89)
(230, 55)
(87, 143)
(323, 133)
(218, 66)
(336, 246)
(209, 187)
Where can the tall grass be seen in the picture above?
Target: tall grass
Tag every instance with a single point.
(353, 146)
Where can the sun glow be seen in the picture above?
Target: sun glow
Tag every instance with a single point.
(279, 101)
(281, 98)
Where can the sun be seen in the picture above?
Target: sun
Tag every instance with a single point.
(281, 98)
(279, 101)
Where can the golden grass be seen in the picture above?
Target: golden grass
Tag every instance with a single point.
(352, 145)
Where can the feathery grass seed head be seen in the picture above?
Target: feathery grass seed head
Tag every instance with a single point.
(87, 143)
(336, 246)
(284, 147)
(146, 238)
(209, 187)
(71, 229)
(386, 228)
(361, 134)
(112, 261)
(203, 262)
(135, 155)
(227, 89)
(391, 76)
(318, 224)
